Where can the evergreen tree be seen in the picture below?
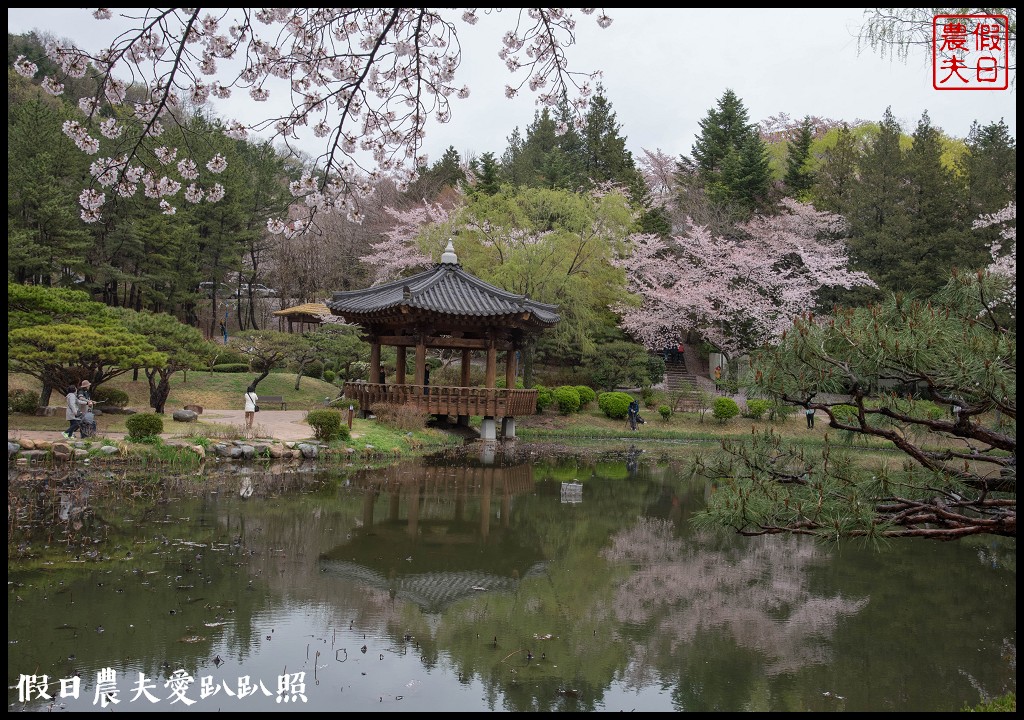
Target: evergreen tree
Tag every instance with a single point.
(878, 218)
(446, 172)
(938, 238)
(487, 171)
(604, 154)
(47, 243)
(799, 177)
(836, 174)
(729, 157)
(990, 168)
(545, 158)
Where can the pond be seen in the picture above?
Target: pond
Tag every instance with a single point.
(516, 582)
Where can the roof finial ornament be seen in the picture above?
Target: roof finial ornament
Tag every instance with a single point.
(449, 256)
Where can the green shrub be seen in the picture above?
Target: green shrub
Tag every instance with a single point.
(568, 399)
(587, 394)
(724, 409)
(756, 408)
(225, 355)
(110, 396)
(614, 404)
(22, 401)
(544, 397)
(231, 368)
(647, 395)
(313, 369)
(655, 368)
(329, 375)
(326, 424)
(144, 425)
(665, 411)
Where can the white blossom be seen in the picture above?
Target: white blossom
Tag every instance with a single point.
(217, 164)
(24, 67)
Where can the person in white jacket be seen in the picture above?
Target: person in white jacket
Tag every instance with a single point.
(251, 398)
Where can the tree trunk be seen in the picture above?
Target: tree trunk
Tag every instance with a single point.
(44, 394)
(159, 389)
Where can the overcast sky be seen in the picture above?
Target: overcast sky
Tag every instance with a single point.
(664, 69)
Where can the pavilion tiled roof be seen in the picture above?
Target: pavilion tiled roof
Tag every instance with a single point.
(445, 289)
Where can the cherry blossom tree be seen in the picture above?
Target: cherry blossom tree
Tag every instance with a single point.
(365, 80)
(739, 291)
(658, 171)
(1004, 250)
(398, 251)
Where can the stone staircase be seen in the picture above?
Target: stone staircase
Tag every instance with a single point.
(681, 382)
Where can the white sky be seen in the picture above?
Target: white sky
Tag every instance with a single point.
(664, 69)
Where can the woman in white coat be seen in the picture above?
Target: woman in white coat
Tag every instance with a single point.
(251, 398)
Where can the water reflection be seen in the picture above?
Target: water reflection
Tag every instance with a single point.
(434, 541)
(466, 585)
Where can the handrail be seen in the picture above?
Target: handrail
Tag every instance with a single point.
(444, 399)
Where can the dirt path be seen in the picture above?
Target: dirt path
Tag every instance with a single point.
(284, 425)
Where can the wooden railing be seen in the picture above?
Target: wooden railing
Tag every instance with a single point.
(444, 400)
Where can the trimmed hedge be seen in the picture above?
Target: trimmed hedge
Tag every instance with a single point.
(544, 398)
(110, 396)
(144, 425)
(587, 394)
(568, 399)
(21, 400)
(724, 409)
(327, 424)
(614, 404)
(756, 408)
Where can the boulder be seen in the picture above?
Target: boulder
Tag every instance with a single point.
(197, 409)
(185, 415)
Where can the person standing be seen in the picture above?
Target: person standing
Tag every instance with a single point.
(71, 412)
(633, 412)
(85, 406)
(224, 331)
(809, 412)
(251, 398)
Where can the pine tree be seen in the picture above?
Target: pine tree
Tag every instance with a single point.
(834, 179)
(729, 157)
(799, 177)
(938, 238)
(878, 217)
(990, 168)
(488, 174)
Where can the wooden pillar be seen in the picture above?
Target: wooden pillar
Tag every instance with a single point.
(400, 363)
(492, 361)
(374, 360)
(421, 360)
(467, 356)
(510, 369)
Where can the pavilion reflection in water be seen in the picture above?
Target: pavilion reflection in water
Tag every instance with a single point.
(435, 534)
